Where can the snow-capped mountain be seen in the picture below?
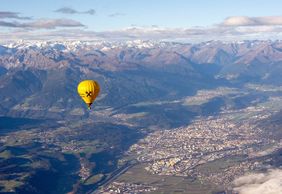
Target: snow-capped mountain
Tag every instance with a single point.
(207, 52)
(38, 78)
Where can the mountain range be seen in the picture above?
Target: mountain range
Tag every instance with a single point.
(39, 79)
(146, 86)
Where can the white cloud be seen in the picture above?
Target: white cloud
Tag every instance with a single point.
(234, 29)
(117, 14)
(37, 30)
(253, 21)
(53, 23)
(68, 10)
(42, 24)
(12, 15)
(260, 183)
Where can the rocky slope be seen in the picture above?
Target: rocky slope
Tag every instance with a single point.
(39, 79)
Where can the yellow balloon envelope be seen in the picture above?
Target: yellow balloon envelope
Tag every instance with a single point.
(88, 91)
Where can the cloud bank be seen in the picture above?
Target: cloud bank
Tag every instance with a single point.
(253, 21)
(193, 35)
(231, 29)
(68, 10)
(12, 15)
(43, 24)
(262, 183)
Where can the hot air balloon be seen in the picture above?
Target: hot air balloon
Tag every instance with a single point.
(88, 91)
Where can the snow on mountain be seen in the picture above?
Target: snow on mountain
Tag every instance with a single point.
(228, 58)
(75, 45)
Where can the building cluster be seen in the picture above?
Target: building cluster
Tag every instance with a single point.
(84, 171)
(180, 151)
(226, 176)
(126, 188)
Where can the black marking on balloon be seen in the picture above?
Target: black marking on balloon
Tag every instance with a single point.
(88, 94)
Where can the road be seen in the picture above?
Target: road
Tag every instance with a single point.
(112, 177)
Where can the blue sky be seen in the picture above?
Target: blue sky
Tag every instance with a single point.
(141, 18)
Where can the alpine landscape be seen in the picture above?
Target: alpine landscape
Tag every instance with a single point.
(200, 116)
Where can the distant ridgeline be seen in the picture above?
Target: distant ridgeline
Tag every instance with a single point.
(39, 79)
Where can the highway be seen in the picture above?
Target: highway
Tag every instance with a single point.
(112, 177)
